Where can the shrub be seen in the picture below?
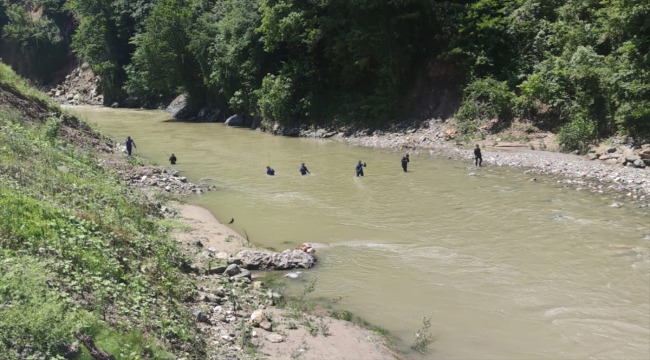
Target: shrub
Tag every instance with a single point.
(485, 99)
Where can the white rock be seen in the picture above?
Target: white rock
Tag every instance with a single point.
(257, 317)
(274, 338)
(294, 275)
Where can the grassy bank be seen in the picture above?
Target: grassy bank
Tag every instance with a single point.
(81, 252)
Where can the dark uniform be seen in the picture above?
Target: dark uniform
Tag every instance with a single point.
(303, 170)
(478, 160)
(405, 162)
(129, 144)
(172, 159)
(360, 167)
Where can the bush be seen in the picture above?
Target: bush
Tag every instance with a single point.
(577, 135)
(485, 99)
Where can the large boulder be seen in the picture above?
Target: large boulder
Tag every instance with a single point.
(630, 156)
(132, 102)
(213, 116)
(236, 120)
(179, 108)
(268, 260)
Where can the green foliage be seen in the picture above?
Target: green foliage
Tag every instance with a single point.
(162, 63)
(576, 66)
(103, 38)
(577, 135)
(82, 252)
(36, 41)
(485, 99)
(423, 337)
(550, 62)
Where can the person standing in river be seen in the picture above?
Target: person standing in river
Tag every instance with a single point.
(478, 159)
(303, 170)
(405, 162)
(172, 159)
(270, 171)
(360, 167)
(129, 144)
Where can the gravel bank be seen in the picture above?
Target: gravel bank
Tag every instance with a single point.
(570, 169)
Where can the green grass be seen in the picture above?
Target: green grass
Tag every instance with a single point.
(81, 252)
(10, 78)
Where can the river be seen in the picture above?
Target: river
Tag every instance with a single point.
(507, 268)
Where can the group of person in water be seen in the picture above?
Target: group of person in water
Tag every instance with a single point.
(358, 169)
(478, 160)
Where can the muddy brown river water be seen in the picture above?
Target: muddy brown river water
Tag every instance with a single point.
(508, 269)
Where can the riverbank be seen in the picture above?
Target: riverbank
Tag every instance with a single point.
(584, 173)
(295, 330)
(89, 260)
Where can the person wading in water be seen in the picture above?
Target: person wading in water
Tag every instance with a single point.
(405, 162)
(270, 171)
(303, 170)
(360, 167)
(129, 144)
(478, 160)
(172, 159)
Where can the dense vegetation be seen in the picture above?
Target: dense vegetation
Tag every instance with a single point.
(577, 66)
(80, 252)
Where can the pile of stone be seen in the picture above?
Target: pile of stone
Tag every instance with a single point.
(159, 177)
(624, 156)
(80, 87)
(222, 307)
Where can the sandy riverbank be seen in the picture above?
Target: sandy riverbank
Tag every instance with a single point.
(344, 340)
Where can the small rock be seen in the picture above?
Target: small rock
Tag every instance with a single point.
(254, 334)
(471, 174)
(244, 274)
(216, 271)
(212, 249)
(274, 338)
(198, 243)
(294, 275)
(615, 205)
(638, 163)
(611, 150)
(201, 316)
(222, 255)
(266, 325)
(257, 317)
(115, 104)
(232, 270)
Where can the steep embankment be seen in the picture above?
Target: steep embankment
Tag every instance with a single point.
(92, 252)
(83, 255)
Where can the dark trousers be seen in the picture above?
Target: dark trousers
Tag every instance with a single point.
(360, 172)
(478, 161)
(404, 165)
(128, 150)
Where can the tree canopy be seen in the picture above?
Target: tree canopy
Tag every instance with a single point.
(576, 66)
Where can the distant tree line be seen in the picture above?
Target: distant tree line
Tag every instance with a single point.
(580, 67)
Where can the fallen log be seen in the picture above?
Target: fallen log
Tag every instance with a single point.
(94, 351)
